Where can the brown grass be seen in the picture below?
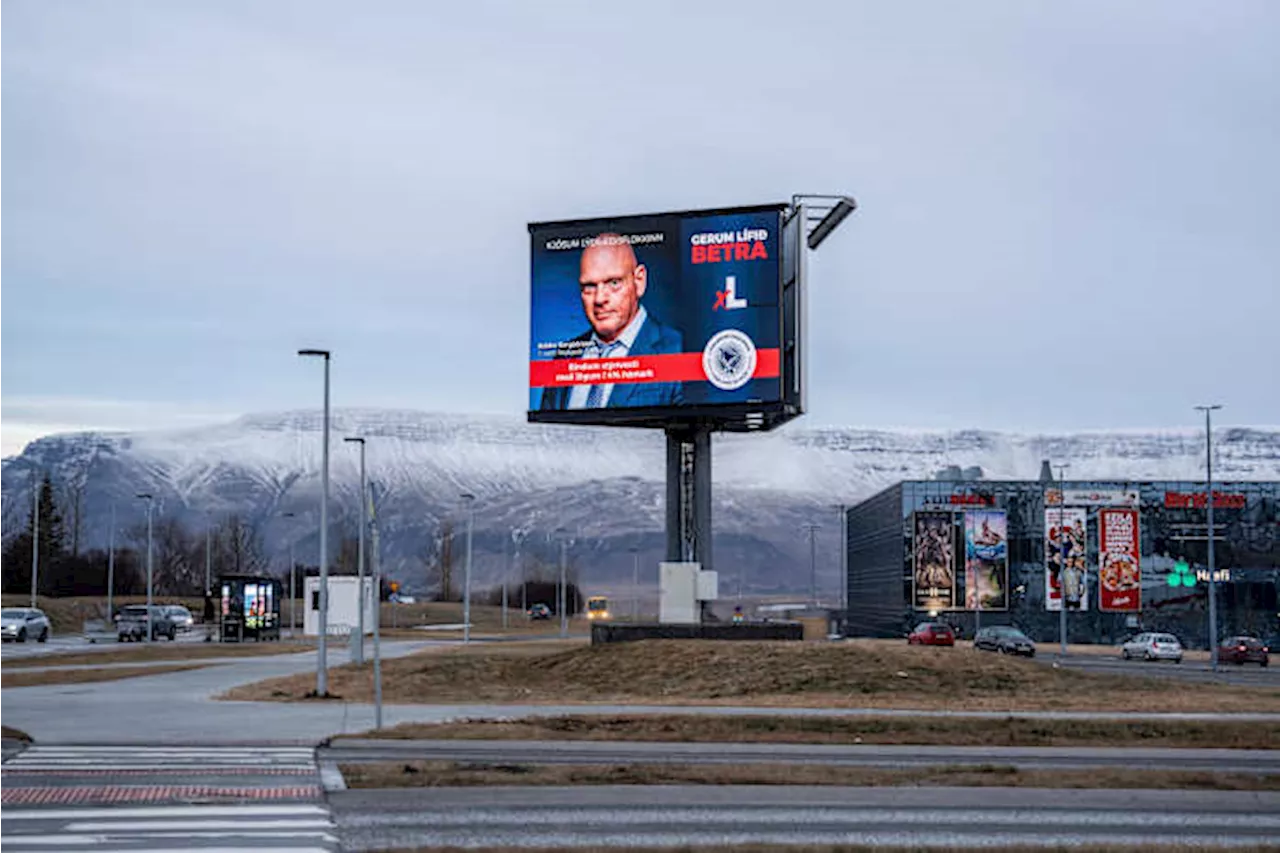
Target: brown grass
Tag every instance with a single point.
(941, 731)
(82, 676)
(438, 774)
(863, 673)
(161, 650)
(10, 733)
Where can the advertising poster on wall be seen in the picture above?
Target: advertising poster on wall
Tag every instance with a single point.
(986, 560)
(1119, 572)
(933, 579)
(1064, 528)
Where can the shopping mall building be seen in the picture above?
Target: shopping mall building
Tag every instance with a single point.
(994, 551)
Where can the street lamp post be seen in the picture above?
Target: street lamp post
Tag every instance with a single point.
(468, 500)
(561, 596)
(635, 583)
(812, 530)
(150, 615)
(844, 566)
(35, 542)
(1062, 560)
(111, 565)
(376, 567)
(322, 651)
(1210, 533)
(293, 586)
(359, 647)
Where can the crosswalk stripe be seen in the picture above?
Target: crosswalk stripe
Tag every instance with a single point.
(254, 810)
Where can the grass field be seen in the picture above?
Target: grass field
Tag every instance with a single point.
(436, 774)
(860, 673)
(942, 731)
(84, 676)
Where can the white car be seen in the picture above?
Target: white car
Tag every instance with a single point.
(24, 623)
(1153, 646)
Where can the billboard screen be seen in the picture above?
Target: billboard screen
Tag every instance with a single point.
(1064, 527)
(657, 315)
(1119, 570)
(986, 560)
(933, 579)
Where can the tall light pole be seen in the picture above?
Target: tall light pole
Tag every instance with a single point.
(35, 541)
(150, 620)
(376, 568)
(812, 530)
(1062, 560)
(111, 564)
(293, 587)
(359, 649)
(1210, 533)
(843, 509)
(208, 556)
(322, 651)
(561, 596)
(635, 583)
(468, 500)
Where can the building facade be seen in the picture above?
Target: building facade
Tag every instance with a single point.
(1006, 552)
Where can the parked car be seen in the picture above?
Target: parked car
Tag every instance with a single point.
(1153, 646)
(23, 623)
(932, 634)
(131, 623)
(1242, 650)
(539, 611)
(1004, 639)
(181, 616)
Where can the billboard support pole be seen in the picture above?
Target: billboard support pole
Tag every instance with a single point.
(689, 495)
(1062, 561)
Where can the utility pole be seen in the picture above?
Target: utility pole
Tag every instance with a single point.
(111, 565)
(322, 648)
(468, 500)
(1062, 560)
(360, 598)
(812, 530)
(844, 566)
(208, 558)
(376, 567)
(1210, 532)
(561, 597)
(35, 542)
(635, 583)
(151, 631)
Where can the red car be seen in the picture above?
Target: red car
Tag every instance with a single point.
(932, 634)
(1242, 650)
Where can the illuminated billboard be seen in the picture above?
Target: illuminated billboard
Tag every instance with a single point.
(1119, 561)
(933, 580)
(1065, 537)
(986, 560)
(645, 320)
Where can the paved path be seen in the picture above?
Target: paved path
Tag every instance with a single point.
(164, 798)
(867, 755)
(630, 816)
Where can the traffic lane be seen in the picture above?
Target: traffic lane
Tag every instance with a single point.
(863, 755)
(76, 644)
(644, 816)
(1241, 676)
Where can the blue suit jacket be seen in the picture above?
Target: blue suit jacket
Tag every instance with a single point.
(652, 339)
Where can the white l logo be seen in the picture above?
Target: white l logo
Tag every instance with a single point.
(731, 299)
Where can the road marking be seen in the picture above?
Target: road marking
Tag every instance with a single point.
(252, 811)
(70, 794)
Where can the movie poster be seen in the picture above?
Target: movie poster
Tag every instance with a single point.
(1064, 528)
(1119, 572)
(986, 560)
(934, 576)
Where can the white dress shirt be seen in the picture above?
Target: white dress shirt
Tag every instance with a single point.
(595, 349)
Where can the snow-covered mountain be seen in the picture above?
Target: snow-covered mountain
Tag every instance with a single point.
(603, 485)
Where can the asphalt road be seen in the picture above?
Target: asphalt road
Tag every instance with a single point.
(630, 816)
(620, 752)
(1249, 675)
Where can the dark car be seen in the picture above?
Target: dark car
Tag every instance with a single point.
(1242, 650)
(932, 634)
(539, 611)
(131, 623)
(1004, 639)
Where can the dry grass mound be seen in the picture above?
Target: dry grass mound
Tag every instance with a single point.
(853, 674)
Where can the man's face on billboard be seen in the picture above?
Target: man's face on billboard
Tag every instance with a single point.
(611, 283)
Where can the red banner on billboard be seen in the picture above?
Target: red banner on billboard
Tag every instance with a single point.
(1119, 572)
(672, 367)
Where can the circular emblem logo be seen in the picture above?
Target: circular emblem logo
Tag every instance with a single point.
(729, 359)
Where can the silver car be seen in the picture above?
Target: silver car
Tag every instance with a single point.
(1153, 646)
(181, 616)
(24, 623)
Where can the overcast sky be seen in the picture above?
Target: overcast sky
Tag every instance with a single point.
(1069, 212)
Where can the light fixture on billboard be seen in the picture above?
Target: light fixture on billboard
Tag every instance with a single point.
(828, 210)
